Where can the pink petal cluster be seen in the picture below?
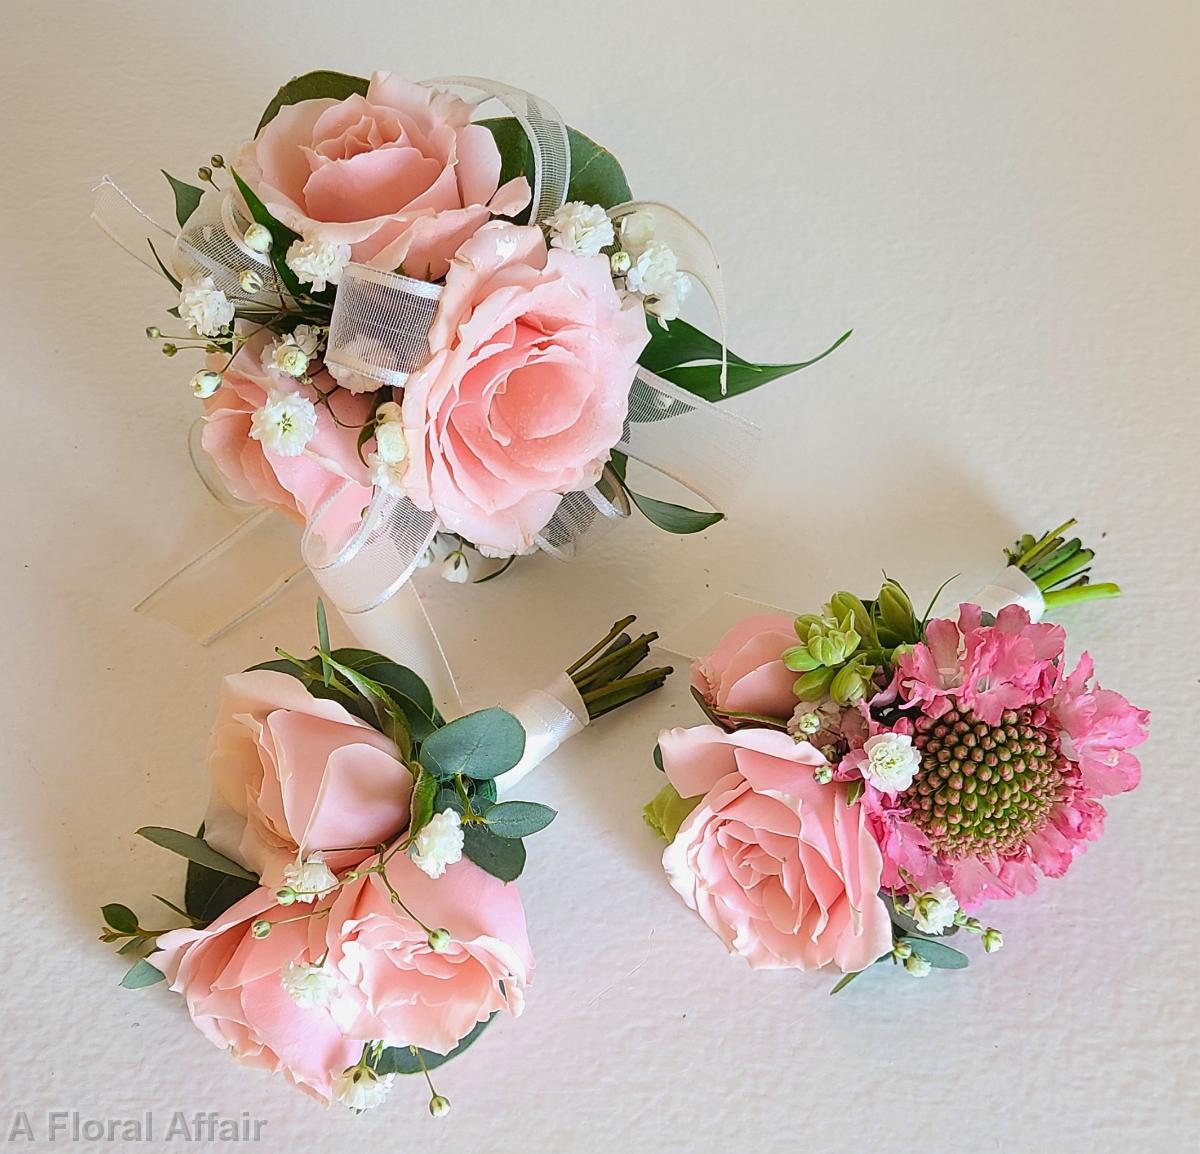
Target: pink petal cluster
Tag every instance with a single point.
(988, 669)
(296, 486)
(526, 391)
(745, 673)
(400, 174)
(391, 985)
(294, 774)
(782, 869)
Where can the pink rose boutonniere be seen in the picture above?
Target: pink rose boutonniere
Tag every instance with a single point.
(914, 768)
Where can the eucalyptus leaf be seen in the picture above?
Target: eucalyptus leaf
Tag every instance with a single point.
(141, 975)
(195, 849)
(187, 197)
(482, 745)
(312, 86)
(939, 956)
(503, 858)
(517, 819)
(401, 1059)
(120, 917)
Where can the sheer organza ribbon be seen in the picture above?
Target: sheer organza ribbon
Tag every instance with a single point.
(379, 330)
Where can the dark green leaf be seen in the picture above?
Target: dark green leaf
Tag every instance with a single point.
(844, 981)
(137, 947)
(672, 518)
(195, 849)
(401, 1059)
(937, 955)
(517, 819)
(120, 917)
(313, 86)
(142, 974)
(681, 344)
(448, 799)
(481, 745)
(281, 236)
(854, 792)
(668, 811)
(501, 857)
(424, 794)
(170, 905)
(596, 175)
(165, 271)
(187, 197)
(484, 791)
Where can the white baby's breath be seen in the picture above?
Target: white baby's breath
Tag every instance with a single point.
(310, 878)
(438, 844)
(204, 308)
(579, 228)
(285, 423)
(361, 1089)
(318, 262)
(309, 986)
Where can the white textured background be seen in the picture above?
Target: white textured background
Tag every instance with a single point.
(1001, 199)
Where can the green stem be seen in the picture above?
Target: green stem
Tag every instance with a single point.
(1078, 594)
(617, 693)
(618, 628)
(1042, 545)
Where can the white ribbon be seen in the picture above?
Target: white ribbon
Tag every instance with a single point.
(549, 716)
(1011, 587)
(379, 329)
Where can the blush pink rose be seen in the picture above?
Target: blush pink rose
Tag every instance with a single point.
(295, 774)
(411, 995)
(401, 174)
(745, 673)
(296, 486)
(780, 868)
(527, 388)
(230, 981)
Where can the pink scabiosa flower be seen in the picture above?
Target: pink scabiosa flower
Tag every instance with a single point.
(1014, 757)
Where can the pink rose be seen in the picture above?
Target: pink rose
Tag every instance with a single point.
(411, 995)
(292, 773)
(401, 174)
(231, 984)
(527, 389)
(779, 867)
(296, 486)
(745, 674)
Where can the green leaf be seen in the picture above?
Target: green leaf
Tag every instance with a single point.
(389, 717)
(853, 792)
(175, 281)
(323, 639)
(596, 175)
(844, 981)
(137, 947)
(937, 955)
(195, 849)
(519, 818)
(401, 1059)
(313, 86)
(691, 359)
(503, 858)
(424, 794)
(672, 518)
(281, 236)
(120, 917)
(668, 811)
(187, 197)
(482, 745)
(141, 975)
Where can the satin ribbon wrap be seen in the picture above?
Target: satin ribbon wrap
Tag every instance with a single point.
(549, 716)
(379, 330)
(1011, 587)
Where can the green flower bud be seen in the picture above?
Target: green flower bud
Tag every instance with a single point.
(901, 950)
(251, 280)
(851, 612)
(439, 941)
(153, 332)
(992, 940)
(260, 928)
(621, 262)
(799, 660)
(813, 685)
(896, 611)
(823, 774)
(217, 160)
(850, 684)
(204, 173)
(439, 1107)
(285, 896)
(169, 350)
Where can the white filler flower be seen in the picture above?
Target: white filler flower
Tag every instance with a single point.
(309, 986)
(891, 763)
(917, 966)
(438, 844)
(203, 308)
(310, 879)
(656, 276)
(582, 229)
(285, 423)
(934, 910)
(319, 262)
(360, 1088)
